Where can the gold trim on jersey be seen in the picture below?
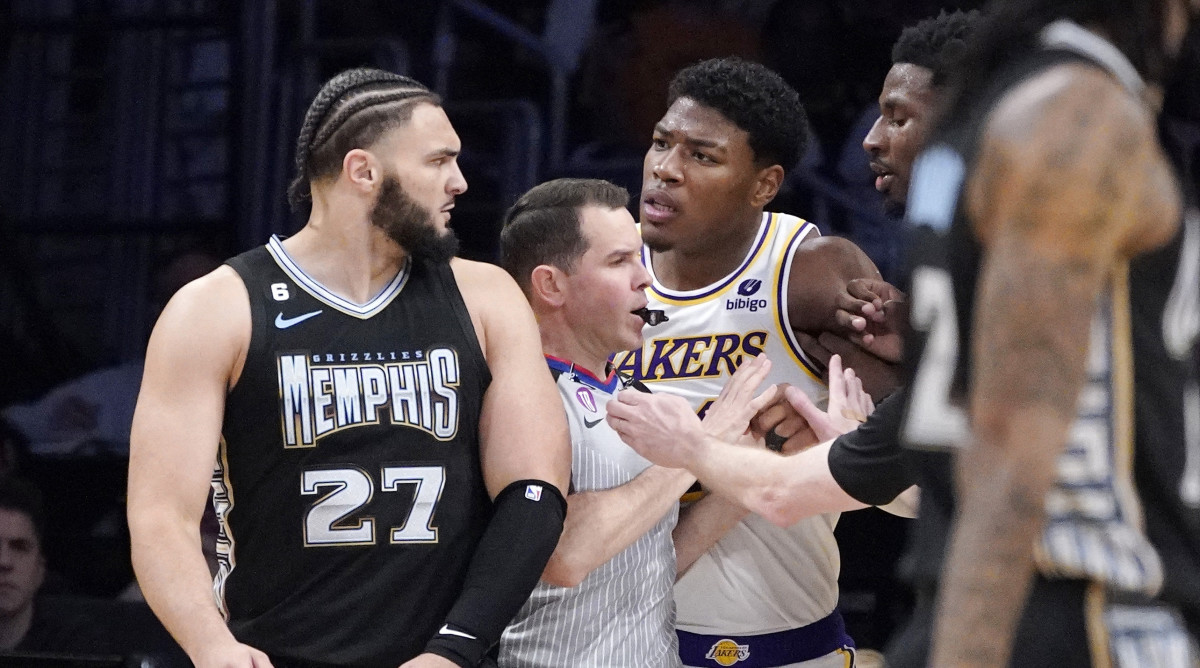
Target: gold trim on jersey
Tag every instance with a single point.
(783, 326)
(767, 230)
(1095, 600)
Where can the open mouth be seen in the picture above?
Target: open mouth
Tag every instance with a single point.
(659, 206)
(883, 177)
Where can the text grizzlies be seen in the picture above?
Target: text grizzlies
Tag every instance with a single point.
(318, 399)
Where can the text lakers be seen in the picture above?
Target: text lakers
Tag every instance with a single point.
(706, 356)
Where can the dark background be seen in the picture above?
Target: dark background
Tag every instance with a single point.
(134, 131)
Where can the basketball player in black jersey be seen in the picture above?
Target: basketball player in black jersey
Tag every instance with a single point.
(1027, 207)
(390, 449)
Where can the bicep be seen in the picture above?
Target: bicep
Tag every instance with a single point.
(821, 269)
(177, 423)
(1054, 220)
(522, 428)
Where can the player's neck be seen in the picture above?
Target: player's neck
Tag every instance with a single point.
(692, 267)
(352, 258)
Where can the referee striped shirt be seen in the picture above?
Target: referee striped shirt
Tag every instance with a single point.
(623, 613)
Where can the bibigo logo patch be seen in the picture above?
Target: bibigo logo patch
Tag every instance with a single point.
(726, 652)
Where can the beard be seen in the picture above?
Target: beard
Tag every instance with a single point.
(654, 242)
(410, 225)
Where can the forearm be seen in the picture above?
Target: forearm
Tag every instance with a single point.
(990, 559)
(601, 523)
(1029, 360)
(526, 523)
(174, 578)
(701, 525)
(783, 490)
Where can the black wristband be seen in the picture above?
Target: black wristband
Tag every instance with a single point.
(527, 519)
(458, 645)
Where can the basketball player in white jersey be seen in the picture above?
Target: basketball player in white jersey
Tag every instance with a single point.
(605, 598)
(736, 281)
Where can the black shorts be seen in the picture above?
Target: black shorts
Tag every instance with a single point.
(1069, 624)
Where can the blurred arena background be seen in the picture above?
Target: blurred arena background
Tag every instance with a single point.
(142, 141)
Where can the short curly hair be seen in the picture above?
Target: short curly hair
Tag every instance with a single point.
(755, 99)
(937, 43)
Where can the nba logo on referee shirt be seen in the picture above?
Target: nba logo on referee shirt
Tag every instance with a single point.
(586, 399)
(533, 492)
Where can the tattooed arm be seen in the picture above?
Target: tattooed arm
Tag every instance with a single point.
(1069, 184)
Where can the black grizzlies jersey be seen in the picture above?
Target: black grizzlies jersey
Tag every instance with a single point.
(1094, 518)
(348, 483)
(1166, 321)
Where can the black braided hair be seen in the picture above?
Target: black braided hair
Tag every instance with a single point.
(352, 110)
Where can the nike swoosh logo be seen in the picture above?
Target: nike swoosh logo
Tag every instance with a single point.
(592, 423)
(447, 631)
(283, 323)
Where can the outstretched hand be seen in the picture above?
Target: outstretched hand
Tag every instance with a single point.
(849, 404)
(664, 429)
(728, 418)
(660, 427)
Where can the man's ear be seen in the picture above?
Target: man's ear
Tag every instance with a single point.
(362, 170)
(767, 185)
(547, 284)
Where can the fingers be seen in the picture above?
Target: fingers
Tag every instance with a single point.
(837, 381)
(772, 414)
(805, 407)
(874, 290)
(746, 379)
(836, 344)
(768, 397)
(850, 320)
(812, 346)
(632, 397)
(860, 398)
(866, 289)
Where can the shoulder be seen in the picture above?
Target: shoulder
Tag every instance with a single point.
(212, 297)
(1072, 151)
(473, 277)
(1075, 98)
(210, 315)
(498, 309)
(486, 288)
(830, 257)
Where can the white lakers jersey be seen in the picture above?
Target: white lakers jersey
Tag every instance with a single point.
(759, 578)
